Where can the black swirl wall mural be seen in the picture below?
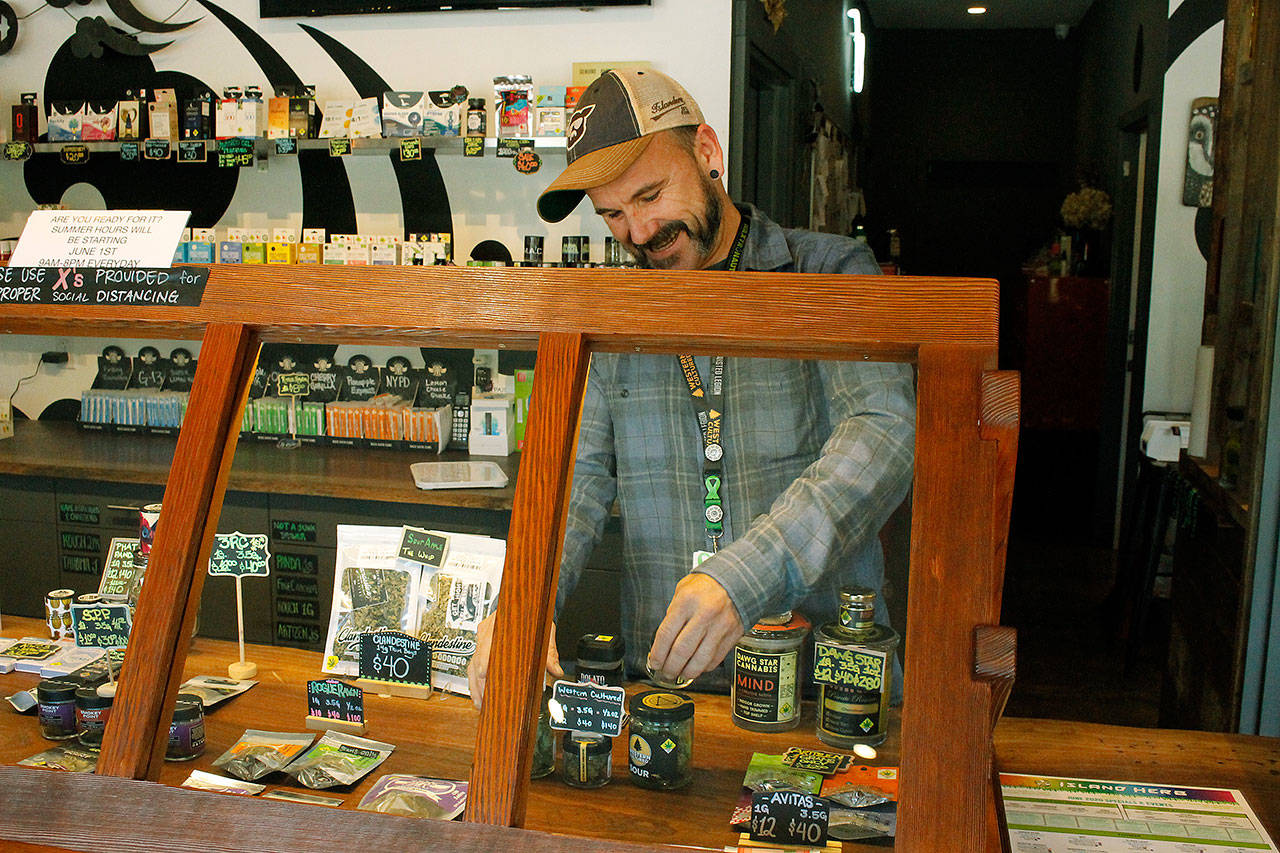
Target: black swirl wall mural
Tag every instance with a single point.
(101, 61)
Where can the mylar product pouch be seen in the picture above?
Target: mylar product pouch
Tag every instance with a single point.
(258, 753)
(339, 759)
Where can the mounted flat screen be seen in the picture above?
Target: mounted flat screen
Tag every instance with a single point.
(309, 8)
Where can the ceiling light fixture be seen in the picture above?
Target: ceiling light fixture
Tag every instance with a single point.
(859, 51)
(977, 10)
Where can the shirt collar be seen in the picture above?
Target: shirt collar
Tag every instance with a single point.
(766, 247)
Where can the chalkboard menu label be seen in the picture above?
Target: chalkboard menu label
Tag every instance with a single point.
(473, 146)
(74, 155)
(511, 147)
(419, 546)
(298, 564)
(789, 818)
(240, 555)
(297, 635)
(585, 707)
(293, 385)
(70, 541)
(101, 626)
(331, 699)
(293, 531)
(295, 609)
(843, 667)
(291, 587)
(155, 149)
(78, 565)
(191, 151)
(396, 657)
(129, 152)
(117, 576)
(287, 145)
(817, 760)
(102, 286)
(339, 146)
(18, 150)
(78, 513)
(236, 151)
(410, 149)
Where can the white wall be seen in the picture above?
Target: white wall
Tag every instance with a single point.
(689, 39)
(1178, 270)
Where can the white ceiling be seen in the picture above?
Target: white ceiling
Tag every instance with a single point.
(951, 14)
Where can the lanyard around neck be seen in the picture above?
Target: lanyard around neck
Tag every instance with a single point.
(708, 402)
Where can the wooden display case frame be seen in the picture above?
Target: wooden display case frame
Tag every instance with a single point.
(961, 661)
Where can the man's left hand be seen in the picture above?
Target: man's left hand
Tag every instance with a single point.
(700, 628)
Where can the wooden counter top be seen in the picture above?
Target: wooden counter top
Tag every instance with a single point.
(61, 449)
(435, 737)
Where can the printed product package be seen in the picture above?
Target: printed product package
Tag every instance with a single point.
(371, 592)
(416, 796)
(258, 753)
(339, 759)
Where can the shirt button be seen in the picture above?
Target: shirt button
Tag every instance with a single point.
(624, 393)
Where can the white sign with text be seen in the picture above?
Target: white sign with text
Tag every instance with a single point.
(100, 238)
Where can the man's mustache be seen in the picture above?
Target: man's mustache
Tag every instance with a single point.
(663, 237)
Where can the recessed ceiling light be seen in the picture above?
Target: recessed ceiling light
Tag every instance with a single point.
(977, 10)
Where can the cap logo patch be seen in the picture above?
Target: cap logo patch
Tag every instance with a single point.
(578, 125)
(661, 108)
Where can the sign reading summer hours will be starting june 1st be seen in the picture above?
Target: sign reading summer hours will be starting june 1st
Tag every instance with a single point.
(100, 238)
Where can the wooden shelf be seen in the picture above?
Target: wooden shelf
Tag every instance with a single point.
(359, 145)
(61, 449)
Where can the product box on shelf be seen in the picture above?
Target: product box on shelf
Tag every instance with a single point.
(254, 253)
(402, 113)
(549, 112)
(162, 115)
(351, 119)
(335, 253)
(359, 255)
(300, 110)
(284, 235)
(99, 121)
(313, 235)
(385, 254)
(26, 120)
(442, 116)
(65, 119)
(278, 118)
(230, 252)
(493, 420)
(200, 252)
(308, 253)
(203, 235)
(197, 118)
(281, 253)
(131, 115)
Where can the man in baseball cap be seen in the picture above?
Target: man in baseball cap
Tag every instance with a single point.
(748, 487)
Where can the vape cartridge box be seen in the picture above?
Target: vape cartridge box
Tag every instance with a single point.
(200, 252)
(380, 253)
(180, 253)
(254, 253)
(130, 119)
(202, 235)
(257, 235)
(309, 253)
(26, 120)
(493, 419)
(99, 121)
(313, 235)
(284, 235)
(230, 252)
(358, 255)
(65, 118)
(402, 113)
(335, 253)
(163, 115)
(238, 234)
(278, 118)
(300, 110)
(280, 253)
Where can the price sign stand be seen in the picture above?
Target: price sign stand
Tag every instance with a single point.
(239, 554)
(334, 704)
(395, 664)
(102, 626)
(293, 386)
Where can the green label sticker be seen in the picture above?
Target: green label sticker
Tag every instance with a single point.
(191, 151)
(410, 148)
(287, 145)
(861, 669)
(155, 149)
(473, 146)
(74, 155)
(18, 150)
(339, 146)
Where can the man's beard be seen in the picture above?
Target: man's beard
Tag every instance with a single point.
(703, 235)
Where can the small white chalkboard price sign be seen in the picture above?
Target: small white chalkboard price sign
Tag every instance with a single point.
(789, 818)
(334, 704)
(585, 707)
(395, 663)
(240, 555)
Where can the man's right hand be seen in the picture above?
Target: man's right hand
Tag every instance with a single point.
(478, 670)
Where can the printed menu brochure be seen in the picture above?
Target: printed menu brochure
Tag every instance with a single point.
(1050, 814)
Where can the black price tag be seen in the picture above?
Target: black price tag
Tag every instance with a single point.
(101, 626)
(287, 145)
(191, 151)
(297, 564)
(235, 152)
(410, 148)
(860, 669)
(586, 707)
(528, 161)
(473, 146)
(511, 147)
(119, 572)
(817, 760)
(789, 817)
(240, 555)
(102, 285)
(394, 656)
(70, 513)
(331, 699)
(18, 150)
(155, 149)
(293, 531)
(129, 152)
(74, 155)
(293, 385)
(340, 146)
(419, 546)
